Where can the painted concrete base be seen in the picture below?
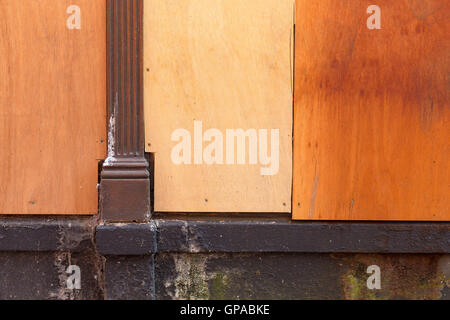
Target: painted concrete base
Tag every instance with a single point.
(277, 276)
(150, 263)
(224, 276)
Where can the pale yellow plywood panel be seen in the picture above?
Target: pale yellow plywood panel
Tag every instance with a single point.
(52, 105)
(219, 65)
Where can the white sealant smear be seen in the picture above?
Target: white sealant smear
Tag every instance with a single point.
(111, 154)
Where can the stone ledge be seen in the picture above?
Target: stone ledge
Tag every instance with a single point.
(32, 233)
(240, 236)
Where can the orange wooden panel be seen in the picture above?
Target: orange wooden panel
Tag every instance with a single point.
(52, 106)
(371, 115)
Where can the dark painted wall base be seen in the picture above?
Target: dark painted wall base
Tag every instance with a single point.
(35, 254)
(42, 276)
(235, 258)
(296, 276)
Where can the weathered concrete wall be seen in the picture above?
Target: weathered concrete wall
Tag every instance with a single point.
(235, 258)
(35, 254)
(42, 275)
(222, 260)
(281, 276)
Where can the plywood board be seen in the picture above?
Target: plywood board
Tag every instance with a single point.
(52, 105)
(217, 66)
(372, 111)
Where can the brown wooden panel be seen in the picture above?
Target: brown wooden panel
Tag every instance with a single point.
(52, 106)
(371, 115)
(221, 65)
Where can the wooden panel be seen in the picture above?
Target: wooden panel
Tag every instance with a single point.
(372, 111)
(223, 65)
(52, 106)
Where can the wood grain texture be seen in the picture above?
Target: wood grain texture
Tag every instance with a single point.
(371, 114)
(52, 106)
(229, 65)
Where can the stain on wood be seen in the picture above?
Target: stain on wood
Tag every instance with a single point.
(371, 114)
(52, 106)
